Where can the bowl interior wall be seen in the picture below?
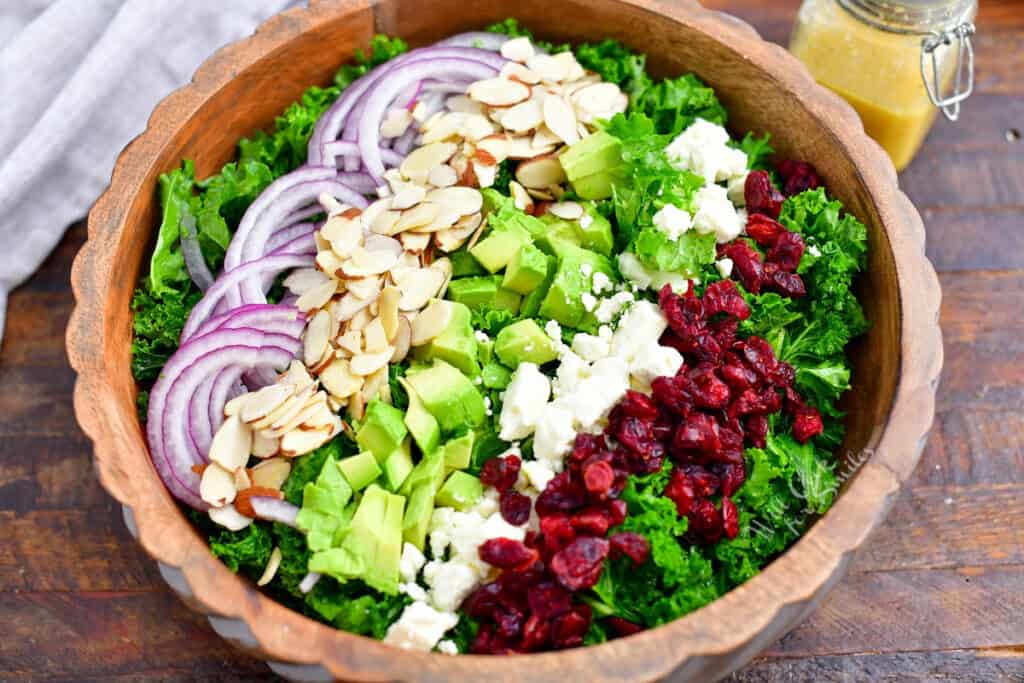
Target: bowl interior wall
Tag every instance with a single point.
(262, 90)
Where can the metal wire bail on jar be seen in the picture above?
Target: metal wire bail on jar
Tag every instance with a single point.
(950, 105)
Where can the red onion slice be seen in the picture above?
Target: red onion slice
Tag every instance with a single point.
(478, 39)
(274, 510)
(344, 148)
(195, 264)
(308, 582)
(286, 235)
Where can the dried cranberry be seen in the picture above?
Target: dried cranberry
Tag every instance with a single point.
(640, 406)
(587, 445)
(752, 402)
(509, 622)
(515, 507)
(732, 477)
(738, 376)
(759, 355)
(709, 390)
(807, 423)
(724, 332)
(705, 483)
(636, 435)
(685, 314)
(598, 477)
(723, 297)
(579, 565)
(797, 176)
(506, 553)
(536, 633)
(698, 433)
(761, 196)
(763, 229)
(787, 251)
(562, 494)
(632, 545)
(481, 603)
(622, 627)
(483, 643)
(680, 491)
(730, 518)
(747, 263)
(617, 510)
(786, 284)
(568, 630)
(547, 599)
(757, 430)
(501, 473)
(557, 532)
(706, 521)
(592, 521)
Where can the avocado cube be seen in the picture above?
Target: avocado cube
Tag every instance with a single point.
(428, 472)
(558, 232)
(526, 271)
(460, 491)
(382, 431)
(463, 264)
(496, 376)
(323, 503)
(532, 301)
(448, 395)
(507, 300)
(524, 342)
(421, 424)
(417, 516)
(360, 470)
(457, 452)
(596, 231)
(564, 300)
(594, 186)
(473, 292)
(595, 153)
(496, 250)
(485, 350)
(398, 466)
(456, 344)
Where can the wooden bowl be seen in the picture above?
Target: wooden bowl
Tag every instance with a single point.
(241, 89)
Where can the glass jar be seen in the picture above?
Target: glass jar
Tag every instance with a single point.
(893, 60)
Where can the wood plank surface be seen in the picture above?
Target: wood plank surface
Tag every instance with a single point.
(937, 595)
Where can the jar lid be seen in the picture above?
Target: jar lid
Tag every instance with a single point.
(911, 16)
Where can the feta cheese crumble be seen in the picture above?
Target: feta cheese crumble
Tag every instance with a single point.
(715, 213)
(672, 221)
(704, 149)
(420, 627)
(524, 402)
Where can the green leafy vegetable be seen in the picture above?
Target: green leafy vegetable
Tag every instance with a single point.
(355, 607)
(157, 324)
(464, 632)
(757, 150)
(306, 468)
(382, 48)
(616, 64)
(674, 103)
(687, 254)
(510, 27)
(248, 549)
(167, 272)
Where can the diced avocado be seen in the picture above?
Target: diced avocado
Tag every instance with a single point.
(485, 350)
(502, 214)
(507, 300)
(398, 466)
(594, 186)
(593, 154)
(532, 301)
(564, 300)
(458, 452)
(417, 516)
(493, 201)
(596, 231)
(526, 271)
(495, 375)
(557, 232)
(422, 425)
(360, 470)
(496, 250)
(428, 472)
(463, 264)
(473, 292)
(524, 342)
(460, 491)
(448, 395)
(457, 344)
(323, 505)
(372, 547)
(382, 431)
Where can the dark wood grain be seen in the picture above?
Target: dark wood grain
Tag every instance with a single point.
(937, 595)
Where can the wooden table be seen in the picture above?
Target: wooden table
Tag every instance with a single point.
(937, 595)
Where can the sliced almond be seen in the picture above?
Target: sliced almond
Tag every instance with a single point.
(418, 163)
(560, 118)
(445, 127)
(464, 104)
(349, 306)
(431, 322)
(476, 127)
(324, 361)
(415, 242)
(396, 121)
(338, 379)
(320, 418)
(548, 67)
(385, 244)
(521, 147)
(385, 222)
(308, 410)
(234, 406)
(317, 297)
(498, 92)
(242, 480)
(544, 138)
(408, 197)
(374, 384)
(336, 405)
(364, 288)
(522, 200)
(446, 216)
(360, 319)
(419, 288)
(523, 117)
(573, 70)
(402, 340)
(570, 211)
(243, 502)
(497, 146)
(514, 71)
(289, 410)
(540, 173)
(599, 100)
(217, 486)
(485, 173)
(388, 301)
(328, 263)
(357, 406)
(365, 364)
(344, 234)
(270, 473)
(300, 441)
(365, 262)
(464, 201)
(270, 571)
(517, 49)
(301, 280)
(442, 175)
(231, 444)
(229, 518)
(545, 195)
(418, 216)
(264, 446)
(265, 401)
(451, 239)
(314, 341)
(296, 374)
(374, 337)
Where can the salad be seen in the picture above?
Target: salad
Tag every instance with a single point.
(499, 346)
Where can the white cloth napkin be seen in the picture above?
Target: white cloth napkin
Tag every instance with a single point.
(78, 80)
